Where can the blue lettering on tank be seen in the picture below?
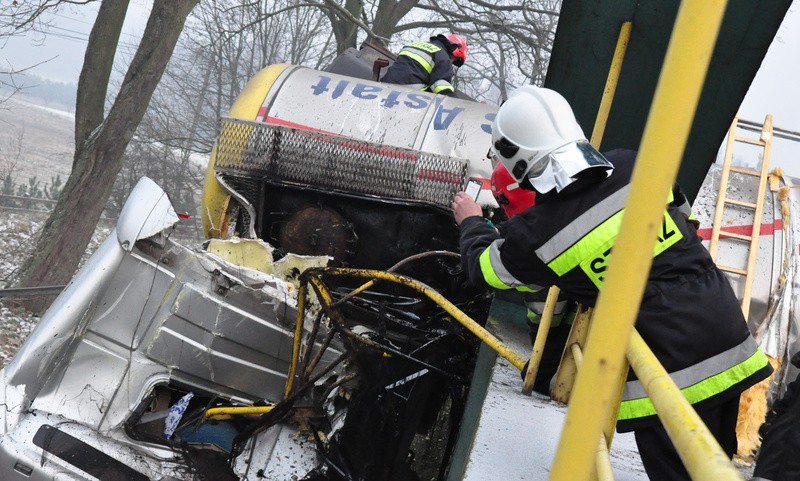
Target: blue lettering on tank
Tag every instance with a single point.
(417, 101)
(444, 117)
(391, 99)
(339, 89)
(488, 127)
(322, 86)
(367, 92)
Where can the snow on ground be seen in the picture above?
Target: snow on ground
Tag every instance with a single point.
(18, 231)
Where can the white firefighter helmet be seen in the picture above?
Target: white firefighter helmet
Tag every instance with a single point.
(535, 135)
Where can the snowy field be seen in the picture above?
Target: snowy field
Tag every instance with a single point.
(18, 232)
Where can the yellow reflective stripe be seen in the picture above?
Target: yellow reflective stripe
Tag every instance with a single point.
(593, 252)
(423, 62)
(425, 47)
(603, 235)
(642, 407)
(495, 274)
(487, 270)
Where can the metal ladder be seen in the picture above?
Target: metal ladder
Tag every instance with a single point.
(765, 141)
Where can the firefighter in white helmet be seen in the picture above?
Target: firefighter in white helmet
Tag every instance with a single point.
(566, 240)
(429, 65)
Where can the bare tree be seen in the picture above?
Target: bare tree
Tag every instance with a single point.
(100, 139)
(222, 49)
(510, 40)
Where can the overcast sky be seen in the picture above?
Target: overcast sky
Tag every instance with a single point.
(774, 91)
(59, 55)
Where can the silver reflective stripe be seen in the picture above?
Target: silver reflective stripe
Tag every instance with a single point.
(700, 371)
(538, 307)
(759, 478)
(415, 52)
(685, 209)
(440, 85)
(500, 270)
(582, 225)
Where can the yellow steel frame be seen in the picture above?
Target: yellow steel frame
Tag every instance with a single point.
(314, 275)
(662, 146)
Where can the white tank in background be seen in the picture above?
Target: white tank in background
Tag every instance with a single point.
(772, 317)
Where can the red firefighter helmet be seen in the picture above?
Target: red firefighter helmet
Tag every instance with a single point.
(511, 197)
(459, 54)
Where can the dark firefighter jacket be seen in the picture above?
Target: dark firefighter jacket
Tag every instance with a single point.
(424, 65)
(777, 458)
(689, 315)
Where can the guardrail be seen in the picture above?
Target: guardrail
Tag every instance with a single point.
(26, 292)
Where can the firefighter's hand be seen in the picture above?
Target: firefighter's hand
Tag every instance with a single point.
(464, 206)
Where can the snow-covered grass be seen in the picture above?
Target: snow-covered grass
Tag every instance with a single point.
(18, 231)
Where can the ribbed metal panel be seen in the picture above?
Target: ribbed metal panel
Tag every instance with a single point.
(254, 149)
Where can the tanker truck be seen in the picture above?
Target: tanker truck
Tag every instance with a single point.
(325, 330)
(160, 361)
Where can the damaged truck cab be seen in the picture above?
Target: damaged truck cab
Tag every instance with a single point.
(165, 362)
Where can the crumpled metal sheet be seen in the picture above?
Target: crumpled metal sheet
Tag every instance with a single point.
(779, 334)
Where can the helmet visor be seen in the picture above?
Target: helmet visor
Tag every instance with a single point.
(562, 166)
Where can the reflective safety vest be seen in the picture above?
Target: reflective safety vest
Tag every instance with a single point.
(422, 65)
(567, 239)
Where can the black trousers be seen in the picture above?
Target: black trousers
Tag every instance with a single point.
(661, 460)
(779, 456)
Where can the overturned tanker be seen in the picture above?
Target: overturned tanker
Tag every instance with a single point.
(281, 349)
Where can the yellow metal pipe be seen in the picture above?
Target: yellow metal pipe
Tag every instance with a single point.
(298, 331)
(565, 374)
(602, 457)
(541, 337)
(603, 111)
(567, 370)
(237, 411)
(515, 359)
(662, 147)
(603, 461)
(697, 447)
(597, 138)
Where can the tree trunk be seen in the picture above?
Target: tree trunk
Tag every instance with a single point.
(343, 29)
(389, 14)
(101, 143)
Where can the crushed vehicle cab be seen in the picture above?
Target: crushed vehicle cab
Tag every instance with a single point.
(253, 358)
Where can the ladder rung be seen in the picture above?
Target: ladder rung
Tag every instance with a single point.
(723, 233)
(741, 203)
(749, 141)
(743, 170)
(732, 269)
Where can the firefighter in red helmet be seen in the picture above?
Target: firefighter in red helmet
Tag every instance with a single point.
(511, 197)
(429, 65)
(514, 200)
